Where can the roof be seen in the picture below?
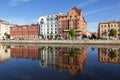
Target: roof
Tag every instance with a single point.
(77, 10)
(106, 22)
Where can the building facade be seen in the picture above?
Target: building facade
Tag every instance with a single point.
(4, 28)
(73, 20)
(24, 32)
(48, 26)
(105, 27)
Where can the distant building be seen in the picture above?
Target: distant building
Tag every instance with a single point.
(24, 32)
(105, 27)
(73, 20)
(48, 26)
(4, 28)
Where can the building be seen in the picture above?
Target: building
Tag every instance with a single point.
(48, 26)
(105, 27)
(105, 55)
(24, 32)
(73, 20)
(4, 28)
(68, 61)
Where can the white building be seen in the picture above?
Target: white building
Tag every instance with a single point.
(4, 28)
(48, 26)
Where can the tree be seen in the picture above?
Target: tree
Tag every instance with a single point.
(113, 32)
(73, 54)
(93, 36)
(72, 32)
(6, 35)
(112, 54)
(51, 35)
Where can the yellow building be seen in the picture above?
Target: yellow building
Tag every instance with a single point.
(105, 27)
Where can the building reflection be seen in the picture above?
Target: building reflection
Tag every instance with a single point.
(63, 58)
(48, 57)
(109, 55)
(4, 53)
(30, 52)
(72, 59)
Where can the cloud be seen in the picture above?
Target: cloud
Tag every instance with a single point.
(86, 3)
(20, 21)
(100, 10)
(16, 2)
(92, 26)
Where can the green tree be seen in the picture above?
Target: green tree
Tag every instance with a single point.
(73, 54)
(51, 35)
(72, 32)
(113, 32)
(6, 35)
(93, 36)
(112, 54)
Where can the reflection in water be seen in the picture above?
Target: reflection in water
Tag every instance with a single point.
(63, 58)
(109, 55)
(72, 63)
(4, 53)
(60, 58)
(30, 52)
(48, 57)
(58, 63)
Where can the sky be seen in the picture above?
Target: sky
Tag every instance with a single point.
(29, 11)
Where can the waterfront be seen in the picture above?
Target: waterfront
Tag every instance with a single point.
(42, 62)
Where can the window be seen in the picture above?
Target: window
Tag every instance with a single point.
(111, 25)
(75, 16)
(101, 25)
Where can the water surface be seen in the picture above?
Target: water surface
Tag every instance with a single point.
(59, 63)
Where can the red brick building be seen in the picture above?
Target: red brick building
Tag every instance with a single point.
(73, 20)
(24, 32)
(24, 52)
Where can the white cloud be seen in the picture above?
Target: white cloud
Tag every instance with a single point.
(100, 10)
(16, 2)
(20, 21)
(97, 10)
(92, 26)
(87, 2)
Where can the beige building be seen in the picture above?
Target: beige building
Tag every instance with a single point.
(106, 26)
(4, 28)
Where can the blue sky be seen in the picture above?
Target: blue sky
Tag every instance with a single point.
(28, 11)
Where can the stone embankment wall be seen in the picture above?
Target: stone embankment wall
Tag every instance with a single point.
(107, 42)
